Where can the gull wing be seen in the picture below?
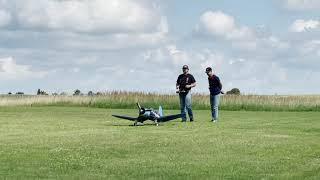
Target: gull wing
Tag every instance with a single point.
(169, 118)
(125, 117)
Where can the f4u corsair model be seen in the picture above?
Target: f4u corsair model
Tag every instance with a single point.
(149, 114)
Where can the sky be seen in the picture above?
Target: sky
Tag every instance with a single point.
(260, 47)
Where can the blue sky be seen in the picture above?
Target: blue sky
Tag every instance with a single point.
(260, 47)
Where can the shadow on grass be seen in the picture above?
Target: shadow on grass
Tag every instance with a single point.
(131, 125)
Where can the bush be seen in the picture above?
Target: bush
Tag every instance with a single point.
(39, 92)
(90, 93)
(63, 94)
(77, 92)
(234, 91)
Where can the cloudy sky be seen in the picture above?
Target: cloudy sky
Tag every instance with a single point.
(260, 47)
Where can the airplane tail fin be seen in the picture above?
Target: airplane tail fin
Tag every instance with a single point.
(160, 111)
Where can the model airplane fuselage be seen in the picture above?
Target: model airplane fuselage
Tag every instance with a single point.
(149, 114)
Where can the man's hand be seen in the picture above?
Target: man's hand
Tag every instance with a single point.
(191, 86)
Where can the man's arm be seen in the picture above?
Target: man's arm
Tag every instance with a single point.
(177, 88)
(191, 85)
(220, 85)
(219, 82)
(177, 84)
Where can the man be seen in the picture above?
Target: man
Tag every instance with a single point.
(184, 84)
(215, 87)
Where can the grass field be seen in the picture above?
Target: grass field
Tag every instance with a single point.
(127, 100)
(87, 143)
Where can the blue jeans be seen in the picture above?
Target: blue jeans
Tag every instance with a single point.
(185, 105)
(214, 101)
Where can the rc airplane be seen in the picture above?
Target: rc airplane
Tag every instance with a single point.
(149, 114)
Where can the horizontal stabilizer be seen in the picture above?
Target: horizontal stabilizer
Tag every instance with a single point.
(169, 118)
(125, 117)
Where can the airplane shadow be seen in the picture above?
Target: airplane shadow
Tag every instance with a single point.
(131, 125)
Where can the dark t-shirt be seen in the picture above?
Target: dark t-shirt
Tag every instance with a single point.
(183, 80)
(215, 85)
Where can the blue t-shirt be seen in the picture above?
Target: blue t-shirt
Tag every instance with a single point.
(215, 85)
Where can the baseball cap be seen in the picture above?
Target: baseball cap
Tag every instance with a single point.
(208, 69)
(185, 67)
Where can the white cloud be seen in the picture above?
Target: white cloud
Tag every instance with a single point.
(5, 18)
(310, 48)
(250, 75)
(275, 42)
(220, 24)
(83, 24)
(166, 55)
(120, 16)
(9, 69)
(223, 26)
(302, 4)
(75, 70)
(178, 56)
(86, 61)
(217, 22)
(110, 41)
(301, 25)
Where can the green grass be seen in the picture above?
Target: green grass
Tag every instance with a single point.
(87, 143)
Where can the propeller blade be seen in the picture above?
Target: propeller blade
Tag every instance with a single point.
(125, 117)
(138, 104)
(169, 118)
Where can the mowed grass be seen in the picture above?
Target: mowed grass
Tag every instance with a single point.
(87, 143)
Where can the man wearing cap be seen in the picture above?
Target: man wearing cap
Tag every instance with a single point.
(184, 84)
(215, 88)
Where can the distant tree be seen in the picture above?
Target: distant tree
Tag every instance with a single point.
(90, 93)
(20, 93)
(99, 94)
(234, 91)
(10, 93)
(39, 92)
(63, 94)
(55, 94)
(77, 92)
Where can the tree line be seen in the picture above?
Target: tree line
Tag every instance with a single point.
(77, 92)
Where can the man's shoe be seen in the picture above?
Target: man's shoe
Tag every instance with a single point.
(191, 120)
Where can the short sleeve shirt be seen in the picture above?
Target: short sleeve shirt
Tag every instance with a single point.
(183, 80)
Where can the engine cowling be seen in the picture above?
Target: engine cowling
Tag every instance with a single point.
(142, 111)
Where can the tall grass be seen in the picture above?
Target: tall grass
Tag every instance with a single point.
(127, 100)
